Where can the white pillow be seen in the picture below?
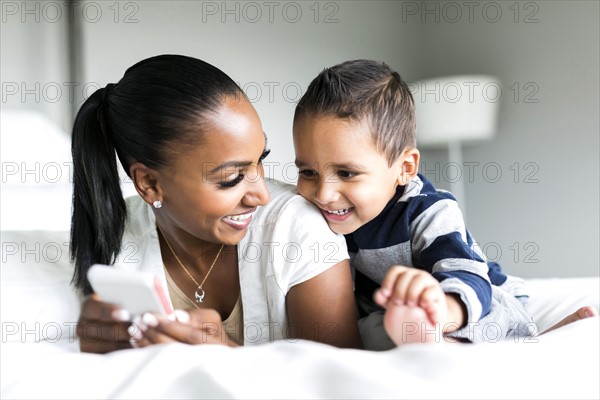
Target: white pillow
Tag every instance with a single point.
(34, 150)
(38, 302)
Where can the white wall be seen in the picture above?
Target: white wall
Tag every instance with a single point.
(273, 59)
(543, 220)
(33, 61)
(558, 55)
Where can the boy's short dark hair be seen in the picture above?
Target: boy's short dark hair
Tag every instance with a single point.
(365, 90)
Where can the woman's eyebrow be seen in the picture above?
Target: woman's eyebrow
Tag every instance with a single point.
(238, 164)
(230, 164)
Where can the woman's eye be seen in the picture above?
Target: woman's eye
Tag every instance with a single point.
(233, 182)
(264, 155)
(346, 174)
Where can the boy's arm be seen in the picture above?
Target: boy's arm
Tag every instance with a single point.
(457, 313)
(442, 246)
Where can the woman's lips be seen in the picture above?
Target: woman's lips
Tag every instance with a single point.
(239, 221)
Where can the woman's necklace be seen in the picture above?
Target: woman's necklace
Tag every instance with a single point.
(199, 293)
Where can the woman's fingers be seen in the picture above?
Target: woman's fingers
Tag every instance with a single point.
(94, 309)
(102, 347)
(102, 327)
(193, 327)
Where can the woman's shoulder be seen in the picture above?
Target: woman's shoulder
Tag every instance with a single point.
(285, 203)
(140, 219)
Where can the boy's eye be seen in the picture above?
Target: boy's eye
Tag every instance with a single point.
(346, 174)
(307, 173)
(233, 182)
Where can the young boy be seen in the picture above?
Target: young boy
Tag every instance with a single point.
(419, 274)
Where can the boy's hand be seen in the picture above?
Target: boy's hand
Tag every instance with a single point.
(414, 288)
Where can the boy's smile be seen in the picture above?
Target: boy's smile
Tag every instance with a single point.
(341, 171)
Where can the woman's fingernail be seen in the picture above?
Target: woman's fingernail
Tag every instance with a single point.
(149, 320)
(385, 291)
(137, 321)
(121, 315)
(134, 332)
(182, 316)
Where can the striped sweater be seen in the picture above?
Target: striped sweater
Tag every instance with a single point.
(422, 227)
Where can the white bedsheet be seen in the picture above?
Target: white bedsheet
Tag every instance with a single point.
(562, 364)
(40, 358)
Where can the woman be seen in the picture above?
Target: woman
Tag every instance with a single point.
(251, 261)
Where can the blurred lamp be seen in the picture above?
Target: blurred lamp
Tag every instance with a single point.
(454, 110)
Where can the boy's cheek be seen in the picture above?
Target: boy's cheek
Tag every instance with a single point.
(303, 190)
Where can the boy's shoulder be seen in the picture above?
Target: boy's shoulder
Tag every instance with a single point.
(421, 189)
(417, 199)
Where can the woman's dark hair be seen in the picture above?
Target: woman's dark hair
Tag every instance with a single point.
(160, 105)
(369, 91)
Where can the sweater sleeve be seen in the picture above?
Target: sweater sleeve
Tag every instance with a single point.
(443, 247)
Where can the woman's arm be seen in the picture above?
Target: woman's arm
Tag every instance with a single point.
(323, 308)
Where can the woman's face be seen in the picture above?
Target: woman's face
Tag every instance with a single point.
(211, 190)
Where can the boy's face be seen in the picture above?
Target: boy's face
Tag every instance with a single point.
(341, 172)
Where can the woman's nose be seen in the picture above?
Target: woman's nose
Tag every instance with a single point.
(258, 193)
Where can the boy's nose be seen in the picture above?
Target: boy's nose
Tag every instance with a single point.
(326, 193)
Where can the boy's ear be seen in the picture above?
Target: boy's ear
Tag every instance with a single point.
(408, 165)
(145, 182)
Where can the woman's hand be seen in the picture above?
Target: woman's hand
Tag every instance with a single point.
(102, 327)
(199, 326)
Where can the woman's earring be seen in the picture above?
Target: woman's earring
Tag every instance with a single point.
(157, 204)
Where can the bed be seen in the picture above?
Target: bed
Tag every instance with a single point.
(40, 355)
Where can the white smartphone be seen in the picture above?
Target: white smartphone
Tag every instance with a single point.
(134, 291)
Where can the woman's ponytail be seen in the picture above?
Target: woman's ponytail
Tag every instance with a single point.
(158, 106)
(99, 211)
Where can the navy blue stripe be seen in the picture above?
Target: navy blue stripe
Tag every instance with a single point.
(446, 246)
(391, 226)
(495, 273)
(482, 287)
